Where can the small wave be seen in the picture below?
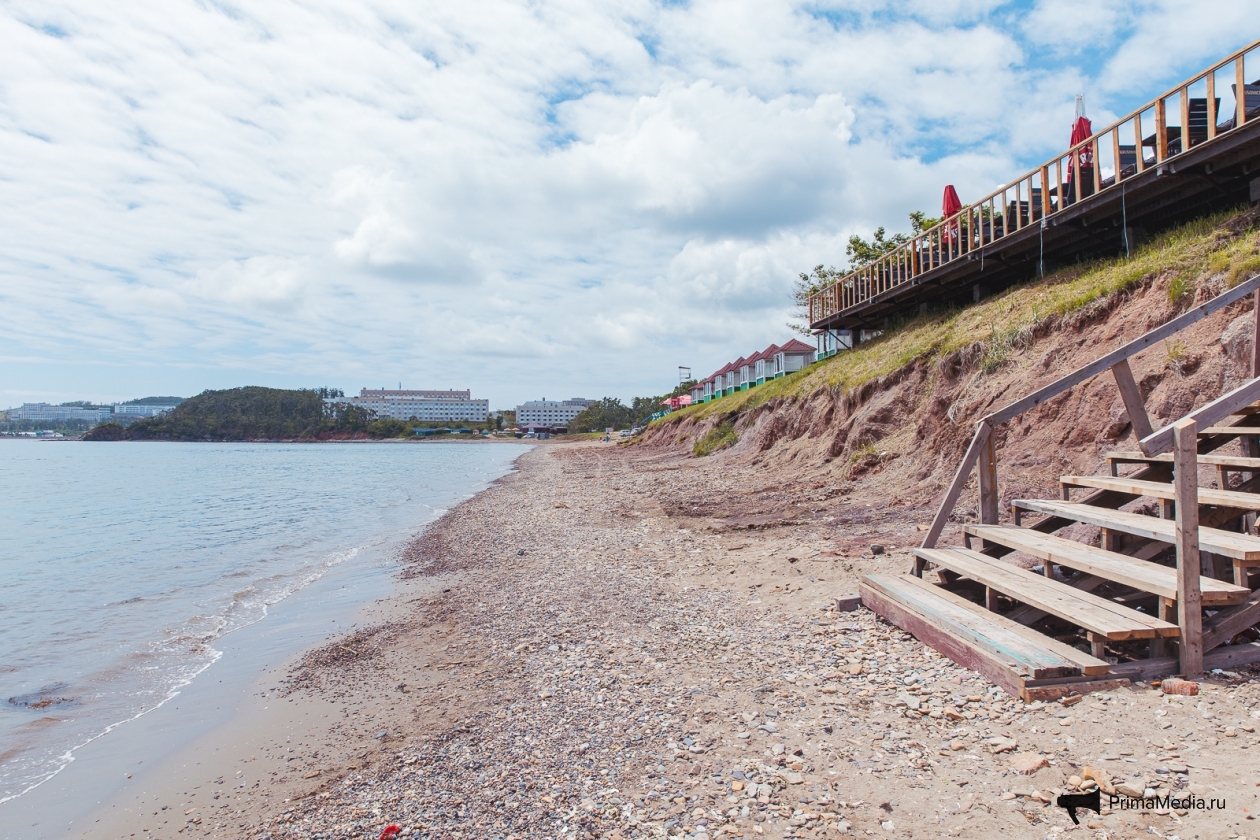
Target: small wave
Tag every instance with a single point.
(66, 758)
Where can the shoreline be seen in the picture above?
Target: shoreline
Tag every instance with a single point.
(110, 766)
(621, 642)
(113, 764)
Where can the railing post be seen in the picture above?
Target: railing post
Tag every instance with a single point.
(1161, 130)
(1133, 402)
(1093, 144)
(1255, 334)
(1139, 164)
(1185, 120)
(983, 431)
(1211, 103)
(1240, 93)
(1186, 498)
(988, 483)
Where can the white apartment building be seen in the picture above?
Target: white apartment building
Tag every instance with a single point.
(59, 413)
(546, 412)
(141, 410)
(432, 406)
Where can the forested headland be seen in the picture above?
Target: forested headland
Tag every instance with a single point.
(249, 413)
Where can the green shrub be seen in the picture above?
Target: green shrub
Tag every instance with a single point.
(721, 436)
(388, 427)
(1242, 270)
(1175, 350)
(1179, 287)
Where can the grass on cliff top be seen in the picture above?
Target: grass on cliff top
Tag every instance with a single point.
(1191, 253)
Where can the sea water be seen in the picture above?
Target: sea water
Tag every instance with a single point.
(122, 564)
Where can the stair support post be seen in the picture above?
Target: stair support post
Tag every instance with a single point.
(978, 443)
(1255, 332)
(1167, 612)
(1186, 494)
(988, 483)
(1134, 405)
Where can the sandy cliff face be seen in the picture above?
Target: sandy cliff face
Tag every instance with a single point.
(901, 436)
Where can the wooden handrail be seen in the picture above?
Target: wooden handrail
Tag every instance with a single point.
(906, 261)
(982, 441)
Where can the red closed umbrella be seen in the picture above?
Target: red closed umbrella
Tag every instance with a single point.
(1081, 164)
(951, 206)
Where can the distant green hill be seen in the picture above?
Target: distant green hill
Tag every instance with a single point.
(155, 401)
(249, 413)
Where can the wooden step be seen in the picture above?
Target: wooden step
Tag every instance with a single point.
(1160, 490)
(1235, 462)
(1000, 649)
(1121, 568)
(1231, 431)
(1228, 544)
(1099, 616)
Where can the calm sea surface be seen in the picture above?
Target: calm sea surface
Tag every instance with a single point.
(121, 564)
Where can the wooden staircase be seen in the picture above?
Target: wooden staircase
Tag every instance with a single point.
(1165, 590)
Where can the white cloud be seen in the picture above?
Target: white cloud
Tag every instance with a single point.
(520, 199)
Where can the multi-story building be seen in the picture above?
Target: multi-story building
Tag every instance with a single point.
(59, 413)
(550, 413)
(131, 410)
(433, 406)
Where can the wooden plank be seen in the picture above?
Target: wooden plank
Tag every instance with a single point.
(1123, 352)
(1131, 394)
(1029, 615)
(1161, 490)
(1240, 93)
(1215, 411)
(1121, 568)
(987, 473)
(1240, 462)
(955, 647)
(1228, 543)
(1086, 664)
(1057, 691)
(1189, 598)
(972, 455)
(1025, 655)
(1230, 431)
(1233, 656)
(1211, 109)
(1161, 129)
(1095, 614)
(1185, 120)
(1228, 623)
(1255, 332)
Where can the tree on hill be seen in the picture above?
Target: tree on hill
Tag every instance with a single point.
(612, 412)
(608, 412)
(860, 252)
(250, 413)
(155, 401)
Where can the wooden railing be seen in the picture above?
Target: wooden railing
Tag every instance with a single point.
(1185, 116)
(982, 454)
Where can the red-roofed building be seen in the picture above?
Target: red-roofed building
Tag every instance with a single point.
(793, 356)
(732, 376)
(743, 373)
(763, 368)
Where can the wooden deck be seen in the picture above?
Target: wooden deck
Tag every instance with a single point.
(1036, 222)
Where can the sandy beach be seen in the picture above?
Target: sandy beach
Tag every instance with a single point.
(616, 641)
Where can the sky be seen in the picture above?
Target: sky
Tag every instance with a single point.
(530, 199)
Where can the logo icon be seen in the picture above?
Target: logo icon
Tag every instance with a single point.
(1071, 801)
